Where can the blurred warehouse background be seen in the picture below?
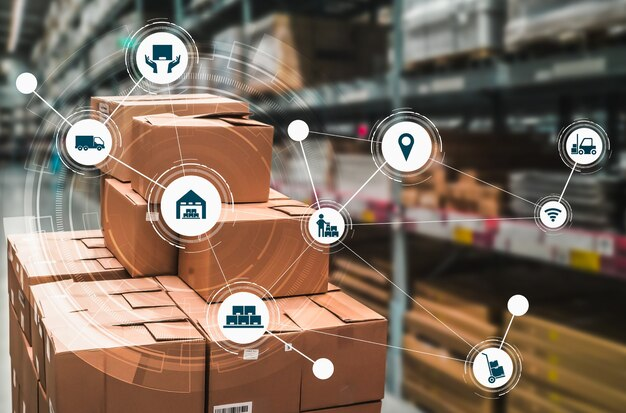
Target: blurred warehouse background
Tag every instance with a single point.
(499, 78)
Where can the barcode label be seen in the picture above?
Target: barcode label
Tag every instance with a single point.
(103, 107)
(245, 407)
(251, 354)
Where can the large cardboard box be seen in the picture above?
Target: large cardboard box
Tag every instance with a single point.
(129, 234)
(270, 377)
(261, 243)
(124, 108)
(373, 407)
(47, 257)
(129, 349)
(237, 148)
(25, 382)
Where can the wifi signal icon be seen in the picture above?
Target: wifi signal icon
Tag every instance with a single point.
(552, 213)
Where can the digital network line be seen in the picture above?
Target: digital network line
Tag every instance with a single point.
(481, 181)
(219, 265)
(52, 107)
(408, 295)
(507, 331)
(568, 179)
(443, 221)
(306, 162)
(290, 345)
(362, 186)
(123, 100)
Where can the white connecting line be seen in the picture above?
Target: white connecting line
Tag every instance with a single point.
(407, 295)
(306, 162)
(123, 100)
(290, 345)
(507, 331)
(443, 221)
(51, 107)
(363, 186)
(568, 179)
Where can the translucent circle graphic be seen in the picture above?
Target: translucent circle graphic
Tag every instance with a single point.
(191, 205)
(326, 225)
(172, 209)
(26, 83)
(243, 317)
(221, 306)
(584, 146)
(404, 145)
(158, 54)
(552, 213)
(518, 305)
(323, 368)
(494, 367)
(298, 130)
(86, 140)
(162, 58)
(494, 370)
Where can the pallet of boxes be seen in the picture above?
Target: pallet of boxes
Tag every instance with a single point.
(115, 320)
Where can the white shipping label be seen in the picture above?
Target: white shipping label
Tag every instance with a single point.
(245, 407)
(152, 216)
(251, 354)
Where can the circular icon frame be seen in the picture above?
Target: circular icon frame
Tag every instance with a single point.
(589, 138)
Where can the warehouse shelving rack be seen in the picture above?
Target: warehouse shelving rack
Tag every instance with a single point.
(529, 83)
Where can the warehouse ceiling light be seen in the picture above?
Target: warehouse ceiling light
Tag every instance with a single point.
(16, 24)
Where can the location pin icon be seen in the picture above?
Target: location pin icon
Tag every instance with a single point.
(406, 142)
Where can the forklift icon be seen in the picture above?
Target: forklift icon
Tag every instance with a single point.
(584, 147)
(496, 371)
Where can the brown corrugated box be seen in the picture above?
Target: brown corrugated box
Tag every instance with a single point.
(330, 325)
(129, 345)
(128, 232)
(373, 407)
(47, 257)
(24, 377)
(131, 106)
(262, 243)
(237, 148)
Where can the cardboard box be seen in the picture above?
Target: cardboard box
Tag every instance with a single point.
(124, 108)
(47, 257)
(237, 148)
(330, 325)
(108, 301)
(143, 355)
(373, 407)
(129, 234)
(261, 243)
(25, 382)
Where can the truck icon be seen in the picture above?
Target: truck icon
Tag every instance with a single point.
(85, 142)
(584, 147)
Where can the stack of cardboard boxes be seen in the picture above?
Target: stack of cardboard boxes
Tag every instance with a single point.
(99, 323)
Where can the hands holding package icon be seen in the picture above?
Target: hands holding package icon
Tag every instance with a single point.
(162, 52)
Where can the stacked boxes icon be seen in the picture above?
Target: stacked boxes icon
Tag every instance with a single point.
(243, 317)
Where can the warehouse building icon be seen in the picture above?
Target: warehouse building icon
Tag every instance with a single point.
(190, 206)
(243, 317)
